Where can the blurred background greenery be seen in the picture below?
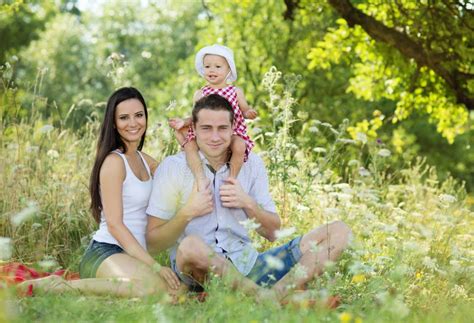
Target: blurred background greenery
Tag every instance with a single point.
(400, 71)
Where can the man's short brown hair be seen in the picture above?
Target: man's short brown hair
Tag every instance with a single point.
(213, 102)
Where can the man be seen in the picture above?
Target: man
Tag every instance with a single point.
(205, 228)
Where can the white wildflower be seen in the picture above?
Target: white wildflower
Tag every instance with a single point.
(390, 239)
(114, 57)
(146, 54)
(71, 156)
(326, 124)
(353, 162)
(448, 199)
(342, 186)
(429, 262)
(274, 262)
(346, 141)
(328, 188)
(343, 197)
(455, 265)
(256, 130)
(382, 297)
(48, 264)
(156, 267)
(300, 271)
(302, 114)
(363, 172)
(458, 292)
(362, 137)
(319, 150)
(32, 149)
(389, 228)
(332, 211)
(53, 154)
(271, 277)
(302, 208)
(25, 214)
(399, 308)
(250, 224)
(283, 233)
(313, 129)
(410, 245)
(256, 244)
(328, 173)
(5, 248)
(46, 128)
(384, 152)
(120, 70)
(313, 246)
(159, 313)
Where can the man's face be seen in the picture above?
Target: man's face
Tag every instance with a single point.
(213, 132)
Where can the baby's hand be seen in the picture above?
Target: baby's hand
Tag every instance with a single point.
(176, 123)
(250, 114)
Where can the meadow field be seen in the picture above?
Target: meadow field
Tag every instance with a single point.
(410, 260)
(365, 115)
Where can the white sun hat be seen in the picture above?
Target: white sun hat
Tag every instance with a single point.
(220, 50)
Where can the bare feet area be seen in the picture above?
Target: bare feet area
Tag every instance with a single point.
(51, 283)
(307, 299)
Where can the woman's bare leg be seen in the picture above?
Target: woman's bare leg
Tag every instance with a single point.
(119, 275)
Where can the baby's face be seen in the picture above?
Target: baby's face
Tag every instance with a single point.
(216, 69)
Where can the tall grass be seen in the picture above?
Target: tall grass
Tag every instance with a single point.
(412, 248)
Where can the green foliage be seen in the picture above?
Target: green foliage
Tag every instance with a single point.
(20, 23)
(379, 71)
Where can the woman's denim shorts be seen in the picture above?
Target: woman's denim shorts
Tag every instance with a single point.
(94, 255)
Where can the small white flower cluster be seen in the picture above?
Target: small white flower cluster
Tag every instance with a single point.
(25, 214)
(5, 248)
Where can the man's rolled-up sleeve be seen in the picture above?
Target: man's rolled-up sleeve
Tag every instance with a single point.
(164, 196)
(259, 189)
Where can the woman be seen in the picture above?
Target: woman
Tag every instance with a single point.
(116, 261)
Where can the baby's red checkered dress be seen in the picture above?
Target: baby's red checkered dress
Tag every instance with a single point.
(240, 128)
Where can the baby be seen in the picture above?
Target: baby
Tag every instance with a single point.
(216, 65)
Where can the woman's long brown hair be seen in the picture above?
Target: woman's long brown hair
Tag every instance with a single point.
(110, 140)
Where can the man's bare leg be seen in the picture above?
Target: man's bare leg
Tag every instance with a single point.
(197, 259)
(323, 244)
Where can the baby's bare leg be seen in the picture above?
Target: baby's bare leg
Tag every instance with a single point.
(238, 147)
(181, 134)
(194, 162)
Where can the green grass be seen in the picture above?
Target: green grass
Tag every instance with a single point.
(411, 259)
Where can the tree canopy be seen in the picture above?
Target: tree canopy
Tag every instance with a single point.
(400, 71)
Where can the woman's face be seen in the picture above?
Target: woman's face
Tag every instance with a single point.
(130, 120)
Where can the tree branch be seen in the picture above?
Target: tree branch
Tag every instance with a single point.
(407, 47)
(291, 6)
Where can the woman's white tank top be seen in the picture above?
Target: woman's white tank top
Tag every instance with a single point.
(135, 197)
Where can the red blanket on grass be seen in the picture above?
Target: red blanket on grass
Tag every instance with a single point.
(15, 272)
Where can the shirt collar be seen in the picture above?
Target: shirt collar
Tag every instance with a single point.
(204, 160)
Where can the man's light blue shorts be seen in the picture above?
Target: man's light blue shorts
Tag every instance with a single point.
(264, 272)
(273, 264)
